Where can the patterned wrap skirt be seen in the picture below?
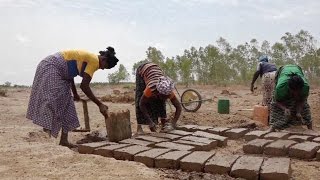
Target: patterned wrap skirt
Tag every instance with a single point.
(156, 107)
(279, 121)
(51, 104)
(267, 88)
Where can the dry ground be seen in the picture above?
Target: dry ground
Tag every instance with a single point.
(27, 153)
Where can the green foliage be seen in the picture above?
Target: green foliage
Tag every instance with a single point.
(136, 65)
(170, 68)
(224, 64)
(118, 76)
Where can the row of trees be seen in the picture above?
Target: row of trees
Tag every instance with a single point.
(224, 64)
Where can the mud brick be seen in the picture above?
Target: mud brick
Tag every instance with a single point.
(276, 135)
(127, 153)
(247, 167)
(175, 146)
(276, 169)
(151, 138)
(303, 132)
(305, 150)
(188, 128)
(166, 136)
(201, 128)
(218, 130)
(107, 151)
(198, 146)
(318, 155)
(300, 138)
(256, 146)
(236, 133)
(195, 161)
(222, 141)
(147, 157)
(170, 159)
(213, 143)
(254, 135)
(279, 147)
(137, 142)
(220, 164)
(317, 139)
(199, 139)
(88, 148)
(180, 132)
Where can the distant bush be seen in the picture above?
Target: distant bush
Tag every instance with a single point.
(3, 92)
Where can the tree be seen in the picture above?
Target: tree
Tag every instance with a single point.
(7, 84)
(154, 55)
(185, 66)
(118, 76)
(170, 68)
(223, 63)
(137, 64)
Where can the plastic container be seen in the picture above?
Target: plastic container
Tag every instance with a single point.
(223, 106)
(260, 114)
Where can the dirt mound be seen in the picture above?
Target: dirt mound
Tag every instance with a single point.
(94, 136)
(37, 136)
(178, 174)
(118, 97)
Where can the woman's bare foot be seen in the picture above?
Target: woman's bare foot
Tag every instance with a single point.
(67, 144)
(271, 129)
(139, 130)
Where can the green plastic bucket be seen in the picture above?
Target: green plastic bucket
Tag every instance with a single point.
(223, 106)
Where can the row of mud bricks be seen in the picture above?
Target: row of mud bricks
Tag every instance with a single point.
(292, 144)
(192, 151)
(283, 144)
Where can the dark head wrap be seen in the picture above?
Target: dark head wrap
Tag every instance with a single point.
(111, 59)
(263, 58)
(295, 82)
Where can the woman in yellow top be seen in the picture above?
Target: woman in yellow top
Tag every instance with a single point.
(51, 103)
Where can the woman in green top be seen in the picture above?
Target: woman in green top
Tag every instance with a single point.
(289, 104)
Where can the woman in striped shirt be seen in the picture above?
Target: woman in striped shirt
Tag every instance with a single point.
(152, 91)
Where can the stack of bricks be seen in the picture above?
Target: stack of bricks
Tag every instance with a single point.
(300, 146)
(192, 150)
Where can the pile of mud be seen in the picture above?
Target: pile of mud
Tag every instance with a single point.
(118, 97)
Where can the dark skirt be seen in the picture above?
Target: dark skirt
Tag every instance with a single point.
(156, 107)
(51, 103)
(278, 119)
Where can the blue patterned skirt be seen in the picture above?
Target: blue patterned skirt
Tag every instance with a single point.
(51, 104)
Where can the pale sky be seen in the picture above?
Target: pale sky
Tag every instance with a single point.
(32, 29)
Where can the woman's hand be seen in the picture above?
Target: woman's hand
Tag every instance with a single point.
(287, 112)
(152, 126)
(76, 97)
(104, 110)
(299, 116)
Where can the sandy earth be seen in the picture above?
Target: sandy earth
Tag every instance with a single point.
(28, 153)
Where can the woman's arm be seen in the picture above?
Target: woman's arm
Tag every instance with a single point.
(87, 90)
(281, 105)
(300, 106)
(177, 114)
(255, 77)
(76, 96)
